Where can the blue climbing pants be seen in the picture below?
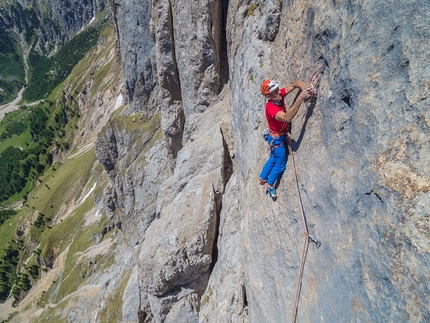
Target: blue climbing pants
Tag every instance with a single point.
(277, 161)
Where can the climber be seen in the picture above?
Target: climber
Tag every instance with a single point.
(278, 119)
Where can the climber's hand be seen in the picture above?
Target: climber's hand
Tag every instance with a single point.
(307, 93)
(314, 91)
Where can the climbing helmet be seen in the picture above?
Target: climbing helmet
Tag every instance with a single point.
(268, 87)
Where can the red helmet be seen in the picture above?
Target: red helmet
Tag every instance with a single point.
(268, 87)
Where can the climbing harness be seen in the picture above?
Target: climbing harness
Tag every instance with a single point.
(266, 133)
(308, 237)
(274, 135)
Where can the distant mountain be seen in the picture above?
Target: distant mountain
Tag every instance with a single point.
(34, 29)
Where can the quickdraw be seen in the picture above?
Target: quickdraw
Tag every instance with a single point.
(314, 82)
(315, 78)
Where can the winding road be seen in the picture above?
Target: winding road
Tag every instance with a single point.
(15, 105)
(11, 105)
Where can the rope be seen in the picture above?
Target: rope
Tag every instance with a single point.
(306, 233)
(314, 82)
(308, 237)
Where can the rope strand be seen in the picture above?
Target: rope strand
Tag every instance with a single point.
(306, 233)
(314, 81)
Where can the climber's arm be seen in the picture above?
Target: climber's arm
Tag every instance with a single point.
(296, 85)
(291, 112)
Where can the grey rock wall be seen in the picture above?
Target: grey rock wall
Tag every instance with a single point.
(197, 32)
(225, 297)
(172, 110)
(132, 20)
(214, 247)
(132, 155)
(360, 157)
(179, 250)
(74, 15)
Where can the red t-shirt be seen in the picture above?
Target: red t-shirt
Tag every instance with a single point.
(272, 109)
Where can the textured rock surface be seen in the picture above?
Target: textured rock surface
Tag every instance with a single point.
(361, 153)
(200, 240)
(225, 296)
(132, 19)
(190, 54)
(361, 160)
(179, 248)
(73, 16)
(129, 150)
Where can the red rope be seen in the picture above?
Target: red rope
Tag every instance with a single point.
(314, 82)
(306, 233)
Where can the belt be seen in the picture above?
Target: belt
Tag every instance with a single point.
(277, 134)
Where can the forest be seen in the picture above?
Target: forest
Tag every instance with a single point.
(11, 67)
(30, 134)
(48, 72)
(18, 166)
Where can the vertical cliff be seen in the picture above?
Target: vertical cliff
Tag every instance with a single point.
(360, 156)
(177, 228)
(219, 248)
(170, 210)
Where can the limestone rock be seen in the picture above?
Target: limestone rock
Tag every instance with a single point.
(132, 20)
(360, 158)
(106, 149)
(224, 299)
(131, 299)
(177, 254)
(130, 150)
(172, 113)
(189, 62)
(361, 152)
(55, 21)
(171, 260)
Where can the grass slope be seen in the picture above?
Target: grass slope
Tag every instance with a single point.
(54, 217)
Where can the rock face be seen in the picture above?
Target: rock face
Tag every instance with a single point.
(213, 247)
(136, 167)
(73, 16)
(137, 48)
(360, 162)
(47, 25)
(174, 266)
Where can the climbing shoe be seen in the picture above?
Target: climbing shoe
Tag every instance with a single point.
(272, 192)
(262, 181)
